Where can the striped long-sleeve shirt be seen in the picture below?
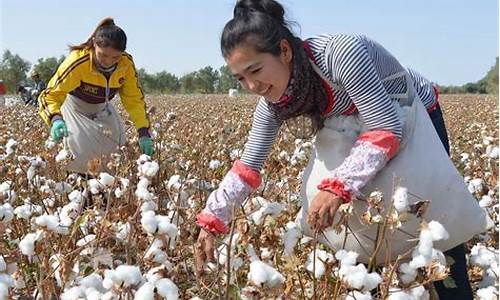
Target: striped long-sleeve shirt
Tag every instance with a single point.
(358, 68)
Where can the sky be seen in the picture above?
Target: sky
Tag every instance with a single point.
(450, 42)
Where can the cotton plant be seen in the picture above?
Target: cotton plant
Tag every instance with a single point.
(487, 259)
(261, 273)
(214, 164)
(27, 243)
(51, 223)
(6, 280)
(122, 276)
(290, 237)
(416, 293)
(356, 276)
(10, 147)
(316, 261)
(159, 226)
(156, 285)
(7, 192)
(6, 213)
(122, 188)
(264, 208)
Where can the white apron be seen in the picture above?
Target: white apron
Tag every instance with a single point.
(94, 131)
(421, 165)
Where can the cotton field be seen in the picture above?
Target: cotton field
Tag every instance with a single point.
(129, 232)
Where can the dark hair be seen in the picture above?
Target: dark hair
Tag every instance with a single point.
(106, 34)
(259, 23)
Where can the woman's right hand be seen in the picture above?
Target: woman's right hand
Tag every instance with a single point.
(204, 250)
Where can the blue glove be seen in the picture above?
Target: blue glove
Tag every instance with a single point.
(146, 145)
(58, 130)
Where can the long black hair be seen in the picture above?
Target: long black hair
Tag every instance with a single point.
(106, 34)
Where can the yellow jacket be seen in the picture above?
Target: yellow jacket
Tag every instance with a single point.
(78, 76)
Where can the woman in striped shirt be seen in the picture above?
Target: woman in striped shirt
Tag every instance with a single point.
(322, 77)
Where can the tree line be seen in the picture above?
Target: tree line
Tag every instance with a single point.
(14, 72)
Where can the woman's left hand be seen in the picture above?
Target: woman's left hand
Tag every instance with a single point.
(146, 145)
(322, 210)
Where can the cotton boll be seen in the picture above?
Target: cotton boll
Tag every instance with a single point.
(425, 242)
(95, 186)
(3, 265)
(420, 293)
(262, 273)
(214, 164)
(75, 196)
(51, 222)
(290, 237)
(76, 292)
(357, 277)
(63, 155)
(27, 244)
(273, 209)
(6, 213)
(486, 201)
(62, 187)
(149, 169)
(407, 273)
(155, 253)
(85, 240)
(49, 143)
(397, 294)
(483, 256)
(145, 292)
(174, 182)
(167, 289)
(26, 210)
(489, 293)
(149, 222)
(122, 231)
(355, 295)
(123, 274)
(346, 258)
(148, 206)
(93, 280)
(144, 195)
(106, 180)
(475, 185)
(400, 199)
(165, 227)
(322, 257)
(437, 230)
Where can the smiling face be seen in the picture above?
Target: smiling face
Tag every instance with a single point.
(260, 73)
(107, 57)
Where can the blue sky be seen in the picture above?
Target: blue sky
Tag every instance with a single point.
(448, 41)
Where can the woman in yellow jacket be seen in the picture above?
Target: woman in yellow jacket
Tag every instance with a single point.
(76, 103)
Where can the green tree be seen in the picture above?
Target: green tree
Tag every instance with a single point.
(492, 79)
(47, 67)
(205, 80)
(166, 82)
(13, 70)
(226, 80)
(188, 83)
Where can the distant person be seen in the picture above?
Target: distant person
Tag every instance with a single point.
(39, 86)
(3, 91)
(27, 95)
(77, 101)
